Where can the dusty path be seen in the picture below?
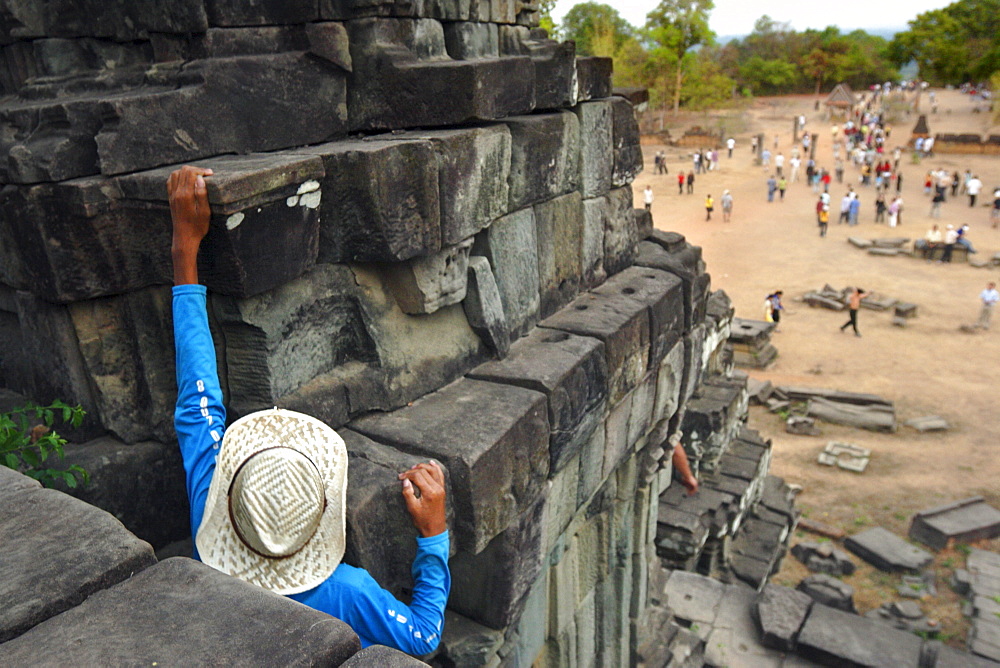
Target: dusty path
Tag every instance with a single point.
(927, 368)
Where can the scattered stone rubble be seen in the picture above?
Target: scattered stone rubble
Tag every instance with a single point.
(836, 300)
(887, 551)
(984, 590)
(846, 456)
(823, 558)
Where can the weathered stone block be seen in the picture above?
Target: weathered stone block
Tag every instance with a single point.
(125, 344)
(385, 657)
(596, 148)
(560, 239)
(484, 308)
(669, 252)
(572, 373)
(493, 439)
(694, 598)
(126, 22)
(96, 552)
(593, 76)
(591, 466)
(833, 637)
(668, 384)
(555, 66)
(780, 613)
(423, 285)
(359, 221)
(545, 157)
(473, 165)
(887, 551)
(516, 272)
(620, 232)
(269, 12)
(828, 592)
(467, 643)
(240, 624)
(142, 485)
(298, 100)
(625, 143)
(403, 78)
(661, 293)
(490, 587)
(622, 324)
(380, 532)
(963, 521)
(467, 41)
(595, 216)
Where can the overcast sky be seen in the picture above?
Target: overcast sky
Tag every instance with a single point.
(736, 17)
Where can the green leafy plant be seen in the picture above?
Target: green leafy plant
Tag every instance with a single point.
(27, 441)
(962, 548)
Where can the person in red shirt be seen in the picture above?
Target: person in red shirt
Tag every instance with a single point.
(680, 183)
(826, 181)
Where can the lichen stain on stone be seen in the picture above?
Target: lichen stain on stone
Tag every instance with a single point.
(234, 220)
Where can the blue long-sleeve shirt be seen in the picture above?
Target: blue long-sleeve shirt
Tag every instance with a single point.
(350, 594)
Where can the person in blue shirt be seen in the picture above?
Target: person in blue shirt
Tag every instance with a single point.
(268, 493)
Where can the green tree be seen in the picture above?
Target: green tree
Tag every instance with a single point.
(594, 26)
(674, 28)
(768, 77)
(27, 441)
(706, 86)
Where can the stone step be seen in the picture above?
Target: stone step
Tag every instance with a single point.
(963, 521)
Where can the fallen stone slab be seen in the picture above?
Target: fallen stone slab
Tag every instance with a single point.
(777, 405)
(885, 252)
(38, 582)
(905, 310)
(887, 551)
(821, 528)
(816, 299)
(803, 426)
(905, 616)
(694, 598)
(858, 242)
(837, 638)
(873, 418)
(918, 586)
(142, 621)
(890, 242)
(845, 455)
(949, 657)
(803, 393)
(823, 558)
(780, 613)
(963, 521)
(828, 591)
(876, 302)
(928, 423)
(759, 390)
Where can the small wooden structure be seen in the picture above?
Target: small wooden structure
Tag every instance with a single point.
(840, 101)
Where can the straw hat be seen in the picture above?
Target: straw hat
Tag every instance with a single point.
(275, 510)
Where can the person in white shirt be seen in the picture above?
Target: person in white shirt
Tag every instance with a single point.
(972, 189)
(647, 195)
(795, 163)
(779, 163)
(989, 297)
(932, 241)
(730, 145)
(950, 237)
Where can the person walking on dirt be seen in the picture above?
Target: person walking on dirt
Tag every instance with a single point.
(680, 183)
(853, 304)
(709, 207)
(989, 297)
(727, 206)
(690, 182)
(772, 185)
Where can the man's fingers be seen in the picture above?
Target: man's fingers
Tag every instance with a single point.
(424, 481)
(409, 496)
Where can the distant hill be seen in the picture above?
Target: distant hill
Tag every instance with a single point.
(886, 33)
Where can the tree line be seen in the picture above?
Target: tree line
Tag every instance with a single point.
(675, 54)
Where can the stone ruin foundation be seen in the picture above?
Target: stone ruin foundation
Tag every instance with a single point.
(422, 234)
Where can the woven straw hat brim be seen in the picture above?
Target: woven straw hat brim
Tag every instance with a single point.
(218, 544)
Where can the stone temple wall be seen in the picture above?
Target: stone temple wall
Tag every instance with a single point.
(422, 234)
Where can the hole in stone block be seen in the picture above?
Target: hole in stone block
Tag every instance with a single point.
(628, 291)
(555, 337)
(581, 307)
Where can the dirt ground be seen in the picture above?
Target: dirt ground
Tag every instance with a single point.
(927, 368)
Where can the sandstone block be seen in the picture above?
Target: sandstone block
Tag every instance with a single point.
(473, 166)
(493, 439)
(887, 551)
(240, 624)
(298, 100)
(97, 553)
(622, 324)
(593, 77)
(380, 533)
(596, 147)
(625, 143)
(545, 157)
(222, 13)
(595, 217)
(620, 232)
(141, 485)
(572, 373)
(75, 19)
(467, 643)
(467, 41)
(780, 613)
(380, 655)
(560, 238)
(662, 251)
(403, 78)
(491, 586)
(423, 285)
(359, 221)
(516, 272)
(484, 308)
(834, 637)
